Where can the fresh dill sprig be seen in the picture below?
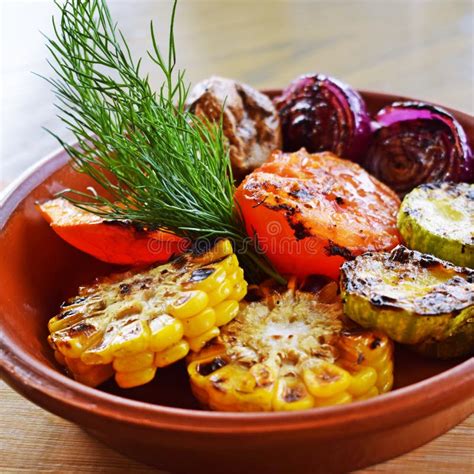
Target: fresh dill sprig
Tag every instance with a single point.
(162, 166)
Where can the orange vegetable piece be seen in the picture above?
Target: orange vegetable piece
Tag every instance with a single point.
(312, 212)
(109, 241)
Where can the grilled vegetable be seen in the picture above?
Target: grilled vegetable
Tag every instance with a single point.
(250, 122)
(461, 343)
(158, 165)
(291, 350)
(130, 324)
(321, 113)
(413, 297)
(438, 218)
(417, 143)
(311, 212)
(108, 240)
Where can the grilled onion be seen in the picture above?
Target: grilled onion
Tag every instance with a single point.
(415, 143)
(323, 114)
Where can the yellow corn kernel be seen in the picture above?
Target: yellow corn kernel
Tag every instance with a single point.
(237, 276)
(97, 356)
(226, 311)
(230, 263)
(188, 304)
(134, 337)
(260, 399)
(231, 390)
(239, 291)
(172, 354)
(371, 393)
(200, 323)
(376, 349)
(264, 374)
(136, 378)
(165, 331)
(291, 394)
(232, 386)
(95, 375)
(198, 342)
(338, 399)
(131, 337)
(134, 362)
(57, 324)
(221, 249)
(385, 379)
(221, 293)
(75, 339)
(326, 380)
(232, 379)
(382, 359)
(122, 309)
(73, 347)
(362, 381)
(211, 282)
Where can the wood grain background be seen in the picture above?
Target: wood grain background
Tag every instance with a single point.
(418, 48)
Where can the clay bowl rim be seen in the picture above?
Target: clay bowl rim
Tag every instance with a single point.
(43, 384)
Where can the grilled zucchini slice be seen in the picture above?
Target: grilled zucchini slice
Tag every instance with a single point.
(130, 324)
(461, 343)
(291, 350)
(438, 218)
(413, 297)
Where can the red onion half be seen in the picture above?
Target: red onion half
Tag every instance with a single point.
(415, 143)
(323, 114)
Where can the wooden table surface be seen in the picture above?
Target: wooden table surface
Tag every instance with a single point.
(417, 48)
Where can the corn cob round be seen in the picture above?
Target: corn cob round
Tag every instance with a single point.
(291, 350)
(130, 324)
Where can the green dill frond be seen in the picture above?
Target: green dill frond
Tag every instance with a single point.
(162, 166)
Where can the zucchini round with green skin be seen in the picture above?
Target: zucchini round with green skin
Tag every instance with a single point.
(412, 297)
(438, 218)
(461, 343)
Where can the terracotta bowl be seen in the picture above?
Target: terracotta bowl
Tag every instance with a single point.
(160, 423)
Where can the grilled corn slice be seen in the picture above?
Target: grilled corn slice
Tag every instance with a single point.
(130, 324)
(291, 350)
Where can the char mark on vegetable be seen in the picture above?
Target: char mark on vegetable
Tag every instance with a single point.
(333, 249)
(81, 329)
(300, 230)
(293, 394)
(127, 223)
(125, 288)
(384, 301)
(201, 274)
(207, 368)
